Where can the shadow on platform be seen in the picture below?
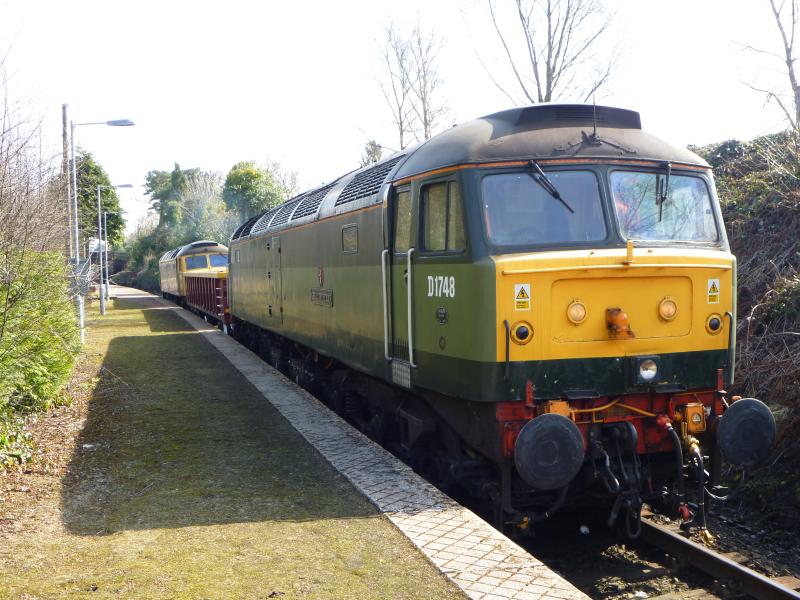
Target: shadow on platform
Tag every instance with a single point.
(175, 436)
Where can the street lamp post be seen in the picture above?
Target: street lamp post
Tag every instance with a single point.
(100, 240)
(105, 232)
(72, 126)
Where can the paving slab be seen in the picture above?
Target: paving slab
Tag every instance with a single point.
(471, 553)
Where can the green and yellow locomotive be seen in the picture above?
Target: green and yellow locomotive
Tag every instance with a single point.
(537, 306)
(196, 277)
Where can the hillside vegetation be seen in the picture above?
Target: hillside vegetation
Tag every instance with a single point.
(759, 187)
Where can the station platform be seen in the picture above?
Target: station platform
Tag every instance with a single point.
(482, 562)
(200, 471)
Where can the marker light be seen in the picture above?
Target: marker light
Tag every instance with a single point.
(521, 332)
(576, 313)
(667, 309)
(648, 369)
(714, 324)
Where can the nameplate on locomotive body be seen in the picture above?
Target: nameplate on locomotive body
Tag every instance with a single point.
(322, 297)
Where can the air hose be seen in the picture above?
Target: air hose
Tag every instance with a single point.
(676, 446)
(701, 487)
(551, 510)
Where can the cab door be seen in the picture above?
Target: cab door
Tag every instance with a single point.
(274, 281)
(401, 262)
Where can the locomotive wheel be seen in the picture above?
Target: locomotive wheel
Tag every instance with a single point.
(549, 452)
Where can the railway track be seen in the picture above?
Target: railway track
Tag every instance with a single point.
(722, 566)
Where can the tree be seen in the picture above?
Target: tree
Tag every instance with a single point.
(425, 81)
(372, 153)
(249, 189)
(284, 178)
(165, 189)
(411, 83)
(560, 39)
(787, 26)
(397, 88)
(89, 175)
(157, 185)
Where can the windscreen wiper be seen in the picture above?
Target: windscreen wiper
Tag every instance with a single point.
(663, 191)
(544, 181)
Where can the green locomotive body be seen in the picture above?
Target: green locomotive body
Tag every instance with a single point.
(509, 304)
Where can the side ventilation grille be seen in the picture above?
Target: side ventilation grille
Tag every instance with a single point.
(367, 183)
(248, 226)
(263, 222)
(238, 233)
(284, 213)
(311, 201)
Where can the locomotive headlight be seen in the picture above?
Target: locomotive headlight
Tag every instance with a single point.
(576, 313)
(667, 309)
(648, 370)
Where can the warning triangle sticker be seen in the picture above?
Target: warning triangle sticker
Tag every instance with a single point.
(713, 289)
(522, 295)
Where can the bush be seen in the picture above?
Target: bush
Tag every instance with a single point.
(38, 342)
(149, 279)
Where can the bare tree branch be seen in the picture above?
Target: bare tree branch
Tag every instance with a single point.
(494, 81)
(773, 96)
(412, 86)
(559, 37)
(508, 52)
(787, 27)
(397, 89)
(425, 81)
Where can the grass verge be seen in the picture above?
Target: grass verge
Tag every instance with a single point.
(182, 481)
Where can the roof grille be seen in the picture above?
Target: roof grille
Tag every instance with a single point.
(237, 233)
(367, 182)
(263, 222)
(575, 115)
(310, 202)
(284, 213)
(248, 226)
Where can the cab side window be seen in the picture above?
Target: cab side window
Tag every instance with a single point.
(402, 221)
(443, 223)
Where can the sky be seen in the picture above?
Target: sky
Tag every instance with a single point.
(209, 84)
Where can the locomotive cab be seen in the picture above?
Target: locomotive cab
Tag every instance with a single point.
(600, 252)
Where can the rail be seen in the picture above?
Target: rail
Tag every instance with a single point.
(717, 565)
